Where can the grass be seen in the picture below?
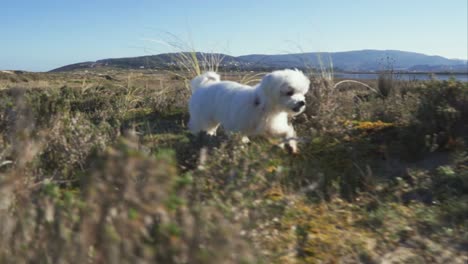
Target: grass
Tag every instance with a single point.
(102, 170)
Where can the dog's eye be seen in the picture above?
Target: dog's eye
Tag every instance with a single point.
(290, 93)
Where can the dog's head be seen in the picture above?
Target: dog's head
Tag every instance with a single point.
(285, 90)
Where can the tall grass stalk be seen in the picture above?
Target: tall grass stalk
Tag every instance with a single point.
(189, 63)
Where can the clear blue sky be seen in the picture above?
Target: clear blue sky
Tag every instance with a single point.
(40, 35)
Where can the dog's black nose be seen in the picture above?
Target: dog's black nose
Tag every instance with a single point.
(298, 106)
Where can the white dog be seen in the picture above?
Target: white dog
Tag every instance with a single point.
(260, 110)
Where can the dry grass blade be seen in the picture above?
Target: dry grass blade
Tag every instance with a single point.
(251, 78)
(187, 61)
(357, 82)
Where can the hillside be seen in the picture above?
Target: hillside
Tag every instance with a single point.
(349, 61)
(166, 60)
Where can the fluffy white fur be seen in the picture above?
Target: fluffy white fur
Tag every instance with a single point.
(260, 110)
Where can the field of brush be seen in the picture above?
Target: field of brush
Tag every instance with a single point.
(98, 167)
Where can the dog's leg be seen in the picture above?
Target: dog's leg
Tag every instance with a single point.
(292, 146)
(290, 141)
(287, 134)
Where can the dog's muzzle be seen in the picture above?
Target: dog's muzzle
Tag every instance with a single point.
(299, 106)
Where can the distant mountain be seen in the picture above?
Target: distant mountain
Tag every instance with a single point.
(165, 60)
(362, 60)
(349, 61)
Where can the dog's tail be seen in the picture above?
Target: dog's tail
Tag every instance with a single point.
(204, 79)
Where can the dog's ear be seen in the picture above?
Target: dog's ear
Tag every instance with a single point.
(260, 101)
(267, 84)
(266, 80)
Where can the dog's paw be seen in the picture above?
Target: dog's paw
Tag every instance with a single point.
(292, 149)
